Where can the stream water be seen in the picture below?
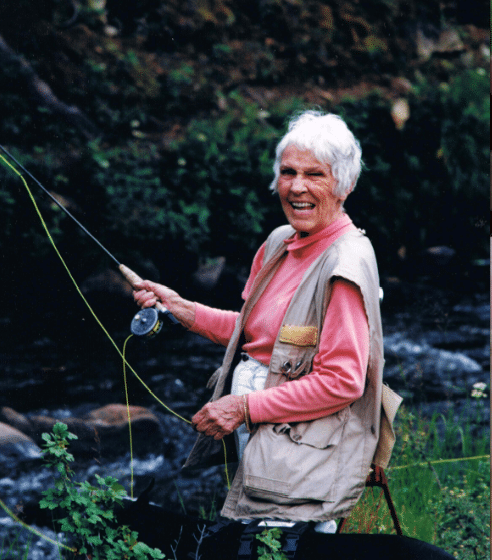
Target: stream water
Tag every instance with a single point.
(436, 347)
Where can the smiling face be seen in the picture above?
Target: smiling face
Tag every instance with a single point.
(305, 187)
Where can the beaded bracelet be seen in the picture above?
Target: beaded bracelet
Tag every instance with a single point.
(246, 414)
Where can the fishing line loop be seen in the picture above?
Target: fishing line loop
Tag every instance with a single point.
(121, 353)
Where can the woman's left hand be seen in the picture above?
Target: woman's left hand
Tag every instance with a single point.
(221, 417)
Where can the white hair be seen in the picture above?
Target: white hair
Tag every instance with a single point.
(330, 141)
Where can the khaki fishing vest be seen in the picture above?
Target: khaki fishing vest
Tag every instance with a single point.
(312, 470)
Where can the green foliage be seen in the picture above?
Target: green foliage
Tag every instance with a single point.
(272, 547)
(222, 169)
(89, 509)
(463, 516)
(207, 192)
(438, 497)
(179, 160)
(465, 131)
(210, 515)
(180, 78)
(437, 166)
(12, 549)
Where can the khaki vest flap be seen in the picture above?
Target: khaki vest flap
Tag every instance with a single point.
(390, 402)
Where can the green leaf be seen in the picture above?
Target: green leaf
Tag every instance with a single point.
(117, 487)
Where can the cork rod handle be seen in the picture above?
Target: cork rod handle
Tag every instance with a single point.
(133, 278)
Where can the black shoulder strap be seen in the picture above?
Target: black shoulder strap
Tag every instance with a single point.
(290, 539)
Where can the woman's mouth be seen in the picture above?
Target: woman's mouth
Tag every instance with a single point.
(301, 205)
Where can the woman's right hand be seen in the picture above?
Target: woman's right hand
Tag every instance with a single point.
(148, 293)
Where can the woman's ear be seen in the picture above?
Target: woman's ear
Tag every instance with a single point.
(343, 198)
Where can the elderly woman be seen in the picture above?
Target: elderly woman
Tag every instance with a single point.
(300, 384)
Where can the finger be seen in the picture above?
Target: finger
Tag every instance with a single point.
(151, 286)
(215, 431)
(145, 299)
(159, 290)
(209, 429)
(196, 418)
(143, 293)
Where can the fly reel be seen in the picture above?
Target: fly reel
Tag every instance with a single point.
(148, 322)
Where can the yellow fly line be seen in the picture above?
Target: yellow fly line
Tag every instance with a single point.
(32, 530)
(45, 227)
(438, 461)
(120, 352)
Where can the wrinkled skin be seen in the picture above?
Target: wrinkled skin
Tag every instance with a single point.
(216, 419)
(221, 417)
(306, 192)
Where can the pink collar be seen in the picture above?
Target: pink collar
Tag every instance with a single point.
(297, 242)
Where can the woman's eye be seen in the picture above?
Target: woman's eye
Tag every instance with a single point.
(316, 174)
(287, 172)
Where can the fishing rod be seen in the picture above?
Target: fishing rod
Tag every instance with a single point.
(147, 322)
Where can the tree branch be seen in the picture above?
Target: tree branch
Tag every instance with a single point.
(43, 94)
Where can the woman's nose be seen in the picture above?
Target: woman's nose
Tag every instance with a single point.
(298, 184)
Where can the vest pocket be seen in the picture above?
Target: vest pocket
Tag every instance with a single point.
(294, 463)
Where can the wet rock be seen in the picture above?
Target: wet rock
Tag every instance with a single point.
(16, 447)
(209, 272)
(439, 255)
(9, 435)
(111, 424)
(116, 416)
(472, 310)
(23, 544)
(419, 368)
(102, 432)
(436, 346)
(15, 420)
(108, 281)
(465, 337)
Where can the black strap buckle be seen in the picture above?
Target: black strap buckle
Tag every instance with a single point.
(246, 540)
(292, 536)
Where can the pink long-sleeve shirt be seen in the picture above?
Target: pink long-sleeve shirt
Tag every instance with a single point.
(339, 368)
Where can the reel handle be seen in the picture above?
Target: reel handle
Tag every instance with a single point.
(133, 278)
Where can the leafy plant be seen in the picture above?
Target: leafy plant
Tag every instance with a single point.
(272, 547)
(89, 509)
(440, 497)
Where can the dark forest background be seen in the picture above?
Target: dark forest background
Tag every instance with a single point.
(155, 123)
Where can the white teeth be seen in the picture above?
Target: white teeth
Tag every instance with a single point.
(302, 205)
